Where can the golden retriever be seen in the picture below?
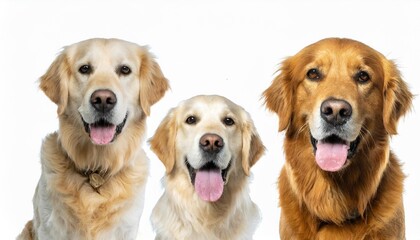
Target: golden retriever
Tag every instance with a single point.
(339, 102)
(94, 170)
(207, 145)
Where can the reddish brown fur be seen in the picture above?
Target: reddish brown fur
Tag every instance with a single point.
(316, 204)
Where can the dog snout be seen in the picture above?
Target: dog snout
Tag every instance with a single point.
(103, 100)
(335, 111)
(211, 143)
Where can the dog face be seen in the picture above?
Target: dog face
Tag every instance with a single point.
(343, 94)
(207, 139)
(101, 84)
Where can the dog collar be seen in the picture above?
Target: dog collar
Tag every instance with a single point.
(96, 178)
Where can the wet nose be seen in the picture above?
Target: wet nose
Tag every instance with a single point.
(211, 143)
(103, 100)
(335, 111)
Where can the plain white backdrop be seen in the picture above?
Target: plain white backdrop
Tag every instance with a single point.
(230, 48)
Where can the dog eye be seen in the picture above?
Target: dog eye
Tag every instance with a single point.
(191, 120)
(313, 74)
(124, 70)
(85, 69)
(362, 77)
(228, 121)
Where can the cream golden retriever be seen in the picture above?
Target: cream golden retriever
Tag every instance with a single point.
(207, 145)
(94, 170)
(339, 102)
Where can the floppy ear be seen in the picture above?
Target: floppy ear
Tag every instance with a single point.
(252, 146)
(54, 82)
(279, 96)
(397, 97)
(153, 84)
(163, 141)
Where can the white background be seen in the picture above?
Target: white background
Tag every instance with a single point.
(230, 48)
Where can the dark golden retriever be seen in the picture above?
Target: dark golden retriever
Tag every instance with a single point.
(94, 169)
(339, 102)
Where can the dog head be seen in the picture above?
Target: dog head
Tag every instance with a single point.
(101, 84)
(209, 139)
(338, 93)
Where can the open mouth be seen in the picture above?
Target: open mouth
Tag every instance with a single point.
(332, 152)
(103, 132)
(208, 181)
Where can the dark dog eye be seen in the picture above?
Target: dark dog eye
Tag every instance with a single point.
(85, 69)
(191, 120)
(124, 70)
(313, 74)
(228, 121)
(362, 77)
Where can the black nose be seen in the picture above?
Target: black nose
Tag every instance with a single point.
(211, 143)
(103, 100)
(335, 111)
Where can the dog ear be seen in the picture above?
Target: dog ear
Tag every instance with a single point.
(54, 82)
(397, 97)
(279, 96)
(163, 141)
(153, 84)
(252, 146)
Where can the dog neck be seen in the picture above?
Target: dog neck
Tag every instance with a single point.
(352, 217)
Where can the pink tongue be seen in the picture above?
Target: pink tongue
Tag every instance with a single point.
(209, 184)
(331, 156)
(102, 135)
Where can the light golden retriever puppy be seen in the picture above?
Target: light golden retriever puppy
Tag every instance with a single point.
(339, 102)
(94, 169)
(207, 145)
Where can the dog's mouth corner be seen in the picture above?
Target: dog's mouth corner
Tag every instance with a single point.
(332, 152)
(208, 180)
(102, 131)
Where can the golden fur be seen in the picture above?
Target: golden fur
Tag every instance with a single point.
(180, 213)
(363, 200)
(66, 205)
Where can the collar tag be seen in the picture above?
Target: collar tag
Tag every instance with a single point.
(96, 180)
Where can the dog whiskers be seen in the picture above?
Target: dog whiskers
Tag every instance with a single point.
(303, 128)
(366, 135)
